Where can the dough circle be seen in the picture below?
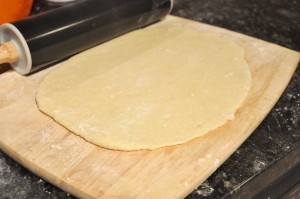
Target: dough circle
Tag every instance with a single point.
(151, 88)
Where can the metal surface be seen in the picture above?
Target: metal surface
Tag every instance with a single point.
(62, 32)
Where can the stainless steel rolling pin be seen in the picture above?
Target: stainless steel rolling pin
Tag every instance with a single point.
(37, 41)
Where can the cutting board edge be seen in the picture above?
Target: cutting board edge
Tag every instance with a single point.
(239, 34)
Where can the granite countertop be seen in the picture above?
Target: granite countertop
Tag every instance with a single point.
(266, 164)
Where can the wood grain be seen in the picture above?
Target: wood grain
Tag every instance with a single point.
(87, 171)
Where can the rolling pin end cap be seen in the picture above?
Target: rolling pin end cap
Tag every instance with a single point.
(15, 49)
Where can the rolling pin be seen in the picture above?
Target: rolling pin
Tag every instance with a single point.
(43, 39)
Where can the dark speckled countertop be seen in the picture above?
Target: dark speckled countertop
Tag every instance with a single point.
(267, 165)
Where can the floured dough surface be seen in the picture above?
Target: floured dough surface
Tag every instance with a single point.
(151, 88)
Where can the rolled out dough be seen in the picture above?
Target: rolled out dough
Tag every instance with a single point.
(151, 88)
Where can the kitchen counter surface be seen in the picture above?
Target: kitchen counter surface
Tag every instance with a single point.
(268, 162)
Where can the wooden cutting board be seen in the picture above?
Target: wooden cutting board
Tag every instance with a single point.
(88, 171)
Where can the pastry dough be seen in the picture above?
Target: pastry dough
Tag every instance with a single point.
(150, 88)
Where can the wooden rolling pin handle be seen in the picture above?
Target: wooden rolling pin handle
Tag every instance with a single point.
(8, 53)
